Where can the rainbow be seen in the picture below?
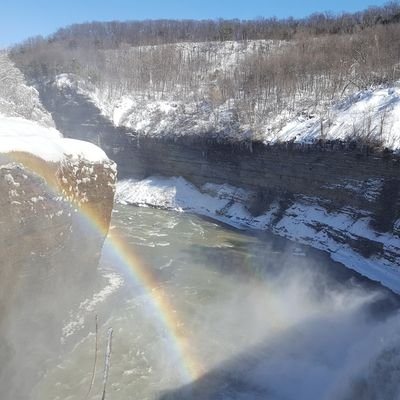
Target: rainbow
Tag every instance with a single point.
(133, 265)
(160, 300)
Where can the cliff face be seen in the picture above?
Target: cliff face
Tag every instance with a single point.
(50, 251)
(42, 205)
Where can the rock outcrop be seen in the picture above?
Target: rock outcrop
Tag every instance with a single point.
(56, 199)
(54, 219)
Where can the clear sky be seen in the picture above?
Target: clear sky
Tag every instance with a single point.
(20, 19)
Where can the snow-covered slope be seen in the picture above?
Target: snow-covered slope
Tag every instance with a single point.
(79, 171)
(159, 117)
(371, 116)
(17, 99)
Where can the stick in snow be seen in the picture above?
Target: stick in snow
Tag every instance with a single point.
(107, 362)
(95, 361)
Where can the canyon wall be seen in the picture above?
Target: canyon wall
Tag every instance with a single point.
(340, 174)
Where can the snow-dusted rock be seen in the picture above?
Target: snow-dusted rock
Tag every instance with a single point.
(56, 198)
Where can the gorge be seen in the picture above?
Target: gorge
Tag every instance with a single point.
(202, 210)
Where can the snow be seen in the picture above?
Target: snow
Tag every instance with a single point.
(17, 99)
(81, 149)
(163, 114)
(177, 194)
(21, 135)
(121, 109)
(87, 307)
(172, 193)
(370, 114)
(25, 126)
(369, 188)
(305, 221)
(166, 117)
(65, 81)
(10, 179)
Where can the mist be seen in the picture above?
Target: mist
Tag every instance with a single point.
(296, 327)
(265, 319)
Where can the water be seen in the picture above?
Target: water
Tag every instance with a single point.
(262, 318)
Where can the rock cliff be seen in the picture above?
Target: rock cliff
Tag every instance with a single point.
(54, 218)
(56, 199)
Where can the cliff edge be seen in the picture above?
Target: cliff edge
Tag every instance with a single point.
(56, 199)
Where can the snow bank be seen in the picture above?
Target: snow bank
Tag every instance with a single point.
(177, 194)
(18, 134)
(305, 221)
(309, 224)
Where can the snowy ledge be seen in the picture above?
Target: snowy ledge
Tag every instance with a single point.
(305, 221)
(21, 135)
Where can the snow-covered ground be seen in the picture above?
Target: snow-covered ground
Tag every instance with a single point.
(305, 221)
(21, 135)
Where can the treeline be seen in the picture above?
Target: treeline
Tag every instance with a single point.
(305, 63)
(108, 35)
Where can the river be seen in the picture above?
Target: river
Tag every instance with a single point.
(203, 311)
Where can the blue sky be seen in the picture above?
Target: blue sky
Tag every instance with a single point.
(20, 19)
